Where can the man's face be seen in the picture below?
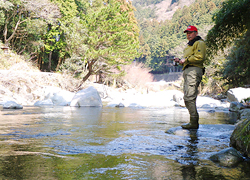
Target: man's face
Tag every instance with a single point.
(191, 35)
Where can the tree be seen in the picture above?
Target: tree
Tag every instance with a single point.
(111, 36)
(54, 39)
(21, 12)
(238, 62)
(231, 22)
(232, 26)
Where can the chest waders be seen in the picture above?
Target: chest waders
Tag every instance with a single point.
(192, 77)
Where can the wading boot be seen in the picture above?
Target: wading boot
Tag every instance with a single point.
(193, 124)
(194, 116)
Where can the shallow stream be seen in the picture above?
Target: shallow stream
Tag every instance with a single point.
(113, 143)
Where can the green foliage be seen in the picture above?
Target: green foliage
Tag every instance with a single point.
(4, 6)
(53, 39)
(237, 67)
(142, 13)
(231, 28)
(25, 23)
(111, 36)
(68, 9)
(231, 22)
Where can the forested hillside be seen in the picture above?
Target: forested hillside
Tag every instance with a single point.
(160, 40)
(79, 36)
(84, 38)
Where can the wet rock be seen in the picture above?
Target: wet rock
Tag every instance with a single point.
(238, 94)
(12, 105)
(87, 97)
(235, 106)
(120, 105)
(211, 111)
(228, 157)
(245, 114)
(240, 138)
(179, 131)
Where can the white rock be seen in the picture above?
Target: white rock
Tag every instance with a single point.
(178, 97)
(47, 102)
(49, 91)
(101, 88)
(208, 102)
(87, 97)
(238, 94)
(62, 98)
(58, 96)
(12, 105)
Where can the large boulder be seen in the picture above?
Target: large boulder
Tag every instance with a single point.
(240, 138)
(228, 157)
(102, 89)
(238, 94)
(87, 97)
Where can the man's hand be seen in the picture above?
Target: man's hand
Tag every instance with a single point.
(181, 61)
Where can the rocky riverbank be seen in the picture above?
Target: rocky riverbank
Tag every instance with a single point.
(33, 88)
(29, 88)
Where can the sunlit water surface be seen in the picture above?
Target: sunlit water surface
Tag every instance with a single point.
(113, 143)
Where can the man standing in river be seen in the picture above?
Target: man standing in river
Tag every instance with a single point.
(193, 69)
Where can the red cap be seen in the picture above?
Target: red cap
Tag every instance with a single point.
(191, 28)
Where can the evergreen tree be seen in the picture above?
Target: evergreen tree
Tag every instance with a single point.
(54, 40)
(111, 36)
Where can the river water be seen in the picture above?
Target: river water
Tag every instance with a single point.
(114, 143)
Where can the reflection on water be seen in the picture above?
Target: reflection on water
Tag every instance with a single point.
(113, 143)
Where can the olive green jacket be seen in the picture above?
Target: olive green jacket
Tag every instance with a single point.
(195, 55)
